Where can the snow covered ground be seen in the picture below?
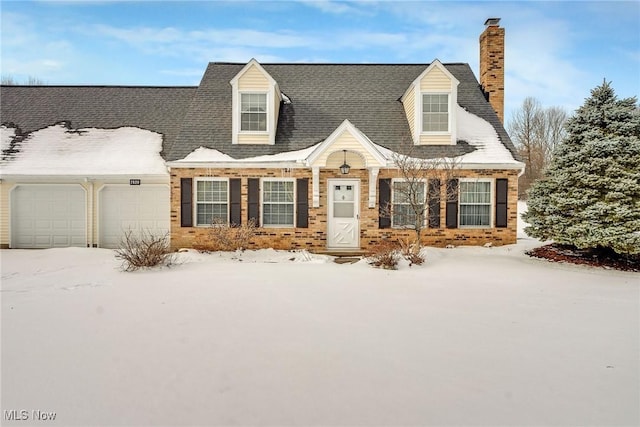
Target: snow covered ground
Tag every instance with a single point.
(476, 336)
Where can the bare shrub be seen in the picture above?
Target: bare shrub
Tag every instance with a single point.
(411, 251)
(222, 236)
(384, 255)
(144, 249)
(415, 258)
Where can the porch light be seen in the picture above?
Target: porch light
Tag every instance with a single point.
(345, 168)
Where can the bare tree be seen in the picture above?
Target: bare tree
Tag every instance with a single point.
(417, 192)
(536, 131)
(555, 119)
(31, 81)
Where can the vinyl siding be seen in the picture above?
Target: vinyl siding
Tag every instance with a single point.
(409, 104)
(247, 138)
(336, 159)
(5, 214)
(435, 139)
(346, 141)
(253, 79)
(435, 80)
(276, 113)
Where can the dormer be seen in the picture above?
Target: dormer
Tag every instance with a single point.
(430, 105)
(256, 104)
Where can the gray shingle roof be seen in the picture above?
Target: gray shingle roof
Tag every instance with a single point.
(322, 97)
(159, 109)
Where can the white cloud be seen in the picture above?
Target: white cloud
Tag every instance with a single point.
(26, 52)
(337, 8)
(148, 36)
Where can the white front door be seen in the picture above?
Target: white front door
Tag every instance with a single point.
(343, 223)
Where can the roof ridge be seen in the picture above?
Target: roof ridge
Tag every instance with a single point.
(341, 63)
(103, 86)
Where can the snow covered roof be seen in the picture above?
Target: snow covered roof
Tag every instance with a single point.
(58, 150)
(473, 130)
(321, 97)
(158, 109)
(481, 135)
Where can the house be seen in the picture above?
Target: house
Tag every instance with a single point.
(306, 151)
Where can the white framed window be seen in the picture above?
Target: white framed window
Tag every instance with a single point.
(212, 201)
(435, 112)
(278, 202)
(406, 196)
(475, 202)
(253, 112)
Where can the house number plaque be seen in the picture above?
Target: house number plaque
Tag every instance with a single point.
(134, 182)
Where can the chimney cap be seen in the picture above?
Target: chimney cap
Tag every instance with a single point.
(492, 22)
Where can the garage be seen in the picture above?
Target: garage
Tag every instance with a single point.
(131, 207)
(48, 216)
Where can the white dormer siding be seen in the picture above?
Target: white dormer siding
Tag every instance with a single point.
(255, 92)
(430, 104)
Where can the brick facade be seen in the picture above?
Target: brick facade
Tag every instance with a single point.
(313, 238)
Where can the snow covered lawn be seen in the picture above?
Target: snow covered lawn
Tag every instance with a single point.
(475, 336)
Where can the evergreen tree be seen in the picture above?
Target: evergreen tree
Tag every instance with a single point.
(590, 196)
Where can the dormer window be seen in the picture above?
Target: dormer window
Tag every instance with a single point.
(435, 112)
(255, 101)
(430, 103)
(253, 112)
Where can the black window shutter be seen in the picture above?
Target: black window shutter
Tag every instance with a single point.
(502, 188)
(234, 201)
(384, 197)
(186, 202)
(433, 197)
(452, 203)
(302, 201)
(253, 207)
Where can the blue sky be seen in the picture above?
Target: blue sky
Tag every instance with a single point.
(555, 51)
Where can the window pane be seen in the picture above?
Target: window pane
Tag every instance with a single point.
(405, 216)
(211, 191)
(435, 112)
(406, 192)
(475, 203)
(478, 215)
(343, 193)
(206, 213)
(475, 192)
(253, 111)
(343, 209)
(400, 192)
(254, 121)
(278, 214)
(211, 201)
(277, 198)
(253, 102)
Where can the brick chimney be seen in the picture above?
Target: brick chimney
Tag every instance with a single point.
(492, 64)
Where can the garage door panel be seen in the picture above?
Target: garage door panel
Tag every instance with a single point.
(44, 216)
(136, 208)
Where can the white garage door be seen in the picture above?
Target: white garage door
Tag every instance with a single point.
(132, 207)
(48, 216)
